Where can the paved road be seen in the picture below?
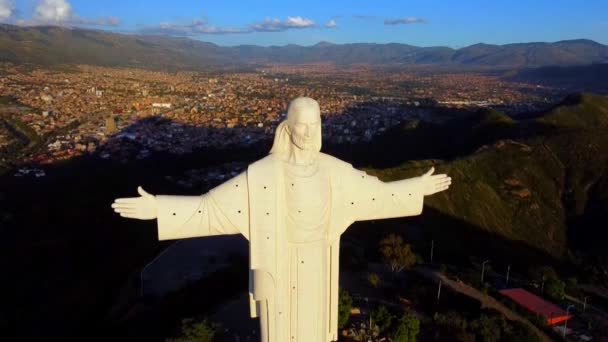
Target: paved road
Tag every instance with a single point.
(486, 301)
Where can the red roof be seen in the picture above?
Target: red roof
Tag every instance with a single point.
(551, 312)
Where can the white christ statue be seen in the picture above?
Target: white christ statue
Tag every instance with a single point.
(292, 206)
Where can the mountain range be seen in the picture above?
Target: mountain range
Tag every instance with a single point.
(50, 45)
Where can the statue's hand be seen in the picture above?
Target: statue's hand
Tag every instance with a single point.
(142, 208)
(432, 184)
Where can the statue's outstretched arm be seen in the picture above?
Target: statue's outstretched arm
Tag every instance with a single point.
(374, 199)
(223, 210)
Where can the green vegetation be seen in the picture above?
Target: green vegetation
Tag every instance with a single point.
(586, 111)
(397, 254)
(524, 189)
(382, 318)
(554, 287)
(195, 330)
(374, 279)
(345, 304)
(488, 327)
(408, 328)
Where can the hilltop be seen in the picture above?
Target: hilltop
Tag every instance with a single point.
(540, 183)
(48, 45)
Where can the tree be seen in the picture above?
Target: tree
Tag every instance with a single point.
(193, 330)
(373, 279)
(397, 254)
(450, 321)
(408, 328)
(554, 286)
(488, 328)
(521, 332)
(345, 304)
(572, 284)
(555, 289)
(382, 318)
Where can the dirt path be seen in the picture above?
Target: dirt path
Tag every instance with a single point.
(486, 301)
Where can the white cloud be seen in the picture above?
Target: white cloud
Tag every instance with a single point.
(59, 12)
(56, 11)
(276, 25)
(197, 27)
(200, 27)
(331, 24)
(7, 8)
(404, 21)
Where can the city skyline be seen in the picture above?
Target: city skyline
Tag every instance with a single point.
(265, 23)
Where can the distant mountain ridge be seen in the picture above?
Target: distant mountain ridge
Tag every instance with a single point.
(49, 45)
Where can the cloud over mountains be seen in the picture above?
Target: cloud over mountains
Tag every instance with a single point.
(57, 12)
(7, 8)
(198, 27)
(277, 25)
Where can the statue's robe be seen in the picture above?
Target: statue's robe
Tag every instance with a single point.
(253, 204)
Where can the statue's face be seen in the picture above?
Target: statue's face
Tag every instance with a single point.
(305, 128)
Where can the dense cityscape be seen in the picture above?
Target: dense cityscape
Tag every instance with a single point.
(119, 112)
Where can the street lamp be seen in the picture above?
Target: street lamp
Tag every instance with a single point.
(542, 287)
(483, 268)
(439, 290)
(566, 321)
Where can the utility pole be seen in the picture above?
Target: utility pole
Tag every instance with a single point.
(566, 321)
(483, 268)
(508, 270)
(439, 290)
(432, 249)
(542, 287)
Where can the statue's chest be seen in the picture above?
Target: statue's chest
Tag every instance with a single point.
(307, 198)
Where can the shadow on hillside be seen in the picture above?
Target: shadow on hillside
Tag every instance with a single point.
(456, 242)
(419, 140)
(75, 258)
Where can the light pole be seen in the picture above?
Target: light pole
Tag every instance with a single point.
(508, 270)
(542, 287)
(439, 290)
(585, 303)
(432, 249)
(483, 268)
(566, 321)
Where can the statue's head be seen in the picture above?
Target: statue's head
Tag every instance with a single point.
(301, 130)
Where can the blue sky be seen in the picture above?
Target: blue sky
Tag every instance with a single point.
(422, 22)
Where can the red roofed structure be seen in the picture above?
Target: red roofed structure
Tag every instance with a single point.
(552, 313)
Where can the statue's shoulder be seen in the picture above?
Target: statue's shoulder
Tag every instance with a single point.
(265, 164)
(333, 163)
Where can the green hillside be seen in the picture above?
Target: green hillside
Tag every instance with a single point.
(579, 111)
(536, 187)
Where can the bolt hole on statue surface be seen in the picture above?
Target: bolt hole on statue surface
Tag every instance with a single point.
(292, 206)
